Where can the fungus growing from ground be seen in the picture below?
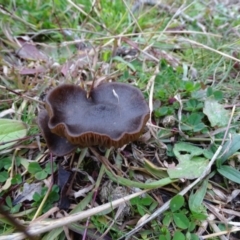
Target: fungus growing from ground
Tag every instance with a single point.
(56, 144)
(113, 115)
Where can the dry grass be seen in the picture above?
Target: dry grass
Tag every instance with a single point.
(183, 55)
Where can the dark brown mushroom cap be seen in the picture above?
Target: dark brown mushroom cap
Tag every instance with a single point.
(59, 146)
(113, 115)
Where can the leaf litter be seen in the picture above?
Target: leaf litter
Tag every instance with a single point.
(36, 69)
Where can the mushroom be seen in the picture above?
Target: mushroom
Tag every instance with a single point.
(56, 144)
(113, 115)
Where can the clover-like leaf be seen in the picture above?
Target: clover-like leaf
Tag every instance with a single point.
(192, 161)
(216, 113)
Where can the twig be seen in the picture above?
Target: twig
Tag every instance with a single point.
(4, 11)
(20, 94)
(213, 235)
(19, 139)
(211, 49)
(63, 44)
(16, 224)
(181, 133)
(39, 227)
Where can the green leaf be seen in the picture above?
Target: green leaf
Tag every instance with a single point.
(191, 226)
(153, 206)
(176, 203)
(146, 201)
(154, 170)
(37, 197)
(178, 236)
(3, 176)
(119, 59)
(141, 210)
(194, 236)
(34, 167)
(193, 105)
(48, 168)
(209, 91)
(5, 163)
(141, 202)
(83, 203)
(198, 216)
(192, 161)
(53, 234)
(16, 208)
(9, 201)
(181, 220)
(229, 148)
(216, 113)
(218, 95)
(195, 118)
(41, 175)
(193, 122)
(230, 173)
(165, 234)
(196, 199)
(167, 219)
(17, 179)
(11, 130)
(161, 237)
(130, 183)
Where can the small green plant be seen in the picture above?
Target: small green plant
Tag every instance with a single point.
(193, 122)
(52, 198)
(180, 219)
(233, 147)
(39, 172)
(216, 94)
(10, 207)
(169, 82)
(5, 164)
(143, 205)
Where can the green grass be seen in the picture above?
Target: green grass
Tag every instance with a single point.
(187, 66)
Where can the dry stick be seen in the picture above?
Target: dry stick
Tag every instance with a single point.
(20, 94)
(86, 14)
(40, 227)
(165, 206)
(179, 10)
(181, 133)
(132, 15)
(211, 49)
(234, 229)
(6, 12)
(63, 44)
(16, 223)
(19, 139)
(119, 211)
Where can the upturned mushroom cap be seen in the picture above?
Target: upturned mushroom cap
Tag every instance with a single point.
(59, 146)
(113, 115)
